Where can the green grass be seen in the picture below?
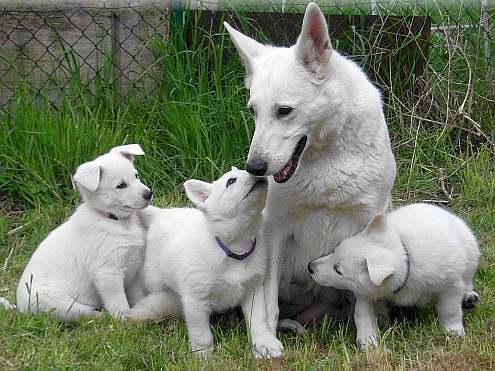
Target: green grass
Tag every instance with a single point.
(413, 339)
(197, 125)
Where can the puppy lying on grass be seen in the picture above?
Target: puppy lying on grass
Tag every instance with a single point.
(205, 260)
(414, 255)
(87, 262)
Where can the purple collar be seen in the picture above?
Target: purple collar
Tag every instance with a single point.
(233, 255)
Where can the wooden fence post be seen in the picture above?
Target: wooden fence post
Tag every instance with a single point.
(116, 60)
(486, 36)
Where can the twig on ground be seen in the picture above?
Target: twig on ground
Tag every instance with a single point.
(442, 177)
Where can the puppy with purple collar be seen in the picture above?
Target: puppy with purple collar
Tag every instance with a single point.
(205, 259)
(415, 255)
(88, 261)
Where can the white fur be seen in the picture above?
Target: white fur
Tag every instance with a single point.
(186, 274)
(444, 256)
(87, 262)
(347, 169)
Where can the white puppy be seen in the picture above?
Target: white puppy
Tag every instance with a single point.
(205, 260)
(414, 255)
(87, 262)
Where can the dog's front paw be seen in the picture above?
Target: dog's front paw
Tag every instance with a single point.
(369, 342)
(457, 330)
(267, 346)
(201, 351)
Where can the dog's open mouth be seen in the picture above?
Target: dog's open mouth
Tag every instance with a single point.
(290, 167)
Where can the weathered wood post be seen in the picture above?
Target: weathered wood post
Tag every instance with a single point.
(486, 30)
(116, 58)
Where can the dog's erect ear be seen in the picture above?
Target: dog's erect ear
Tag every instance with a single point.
(248, 49)
(313, 48)
(128, 151)
(377, 225)
(379, 269)
(197, 191)
(88, 175)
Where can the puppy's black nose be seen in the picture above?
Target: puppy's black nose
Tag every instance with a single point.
(309, 268)
(147, 195)
(256, 167)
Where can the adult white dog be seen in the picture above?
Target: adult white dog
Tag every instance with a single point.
(321, 134)
(86, 263)
(205, 260)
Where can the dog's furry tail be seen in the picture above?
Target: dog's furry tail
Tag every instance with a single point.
(5, 303)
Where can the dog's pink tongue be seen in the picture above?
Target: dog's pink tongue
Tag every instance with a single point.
(282, 174)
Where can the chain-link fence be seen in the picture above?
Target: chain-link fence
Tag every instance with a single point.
(51, 50)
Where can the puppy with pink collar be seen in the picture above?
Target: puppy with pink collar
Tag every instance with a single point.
(87, 262)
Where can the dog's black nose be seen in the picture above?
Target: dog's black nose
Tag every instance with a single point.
(256, 167)
(147, 195)
(309, 268)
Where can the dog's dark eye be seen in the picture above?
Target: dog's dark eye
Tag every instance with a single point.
(230, 182)
(284, 110)
(137, 175)
(121, 185)
(336, 268)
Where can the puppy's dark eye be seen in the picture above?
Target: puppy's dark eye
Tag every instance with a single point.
(284, 110)
(122, 185)
(336, 268)
(230, 182)
(137, 175)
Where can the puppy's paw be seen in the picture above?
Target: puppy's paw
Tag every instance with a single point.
(370, 342)
(470, 300)
(457, 330)
(141, 315)
(121, 316)
(134, 315)
(201, 351)
(290, 325)
(267, 346)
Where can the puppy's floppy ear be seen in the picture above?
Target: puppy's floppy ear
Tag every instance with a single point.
(128, 151)
(377, 225)
(379, 268)
(313, 48)
(197, 191)
(88, 175)
(248, 49)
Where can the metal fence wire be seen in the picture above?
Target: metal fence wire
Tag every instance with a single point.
(52, 50)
